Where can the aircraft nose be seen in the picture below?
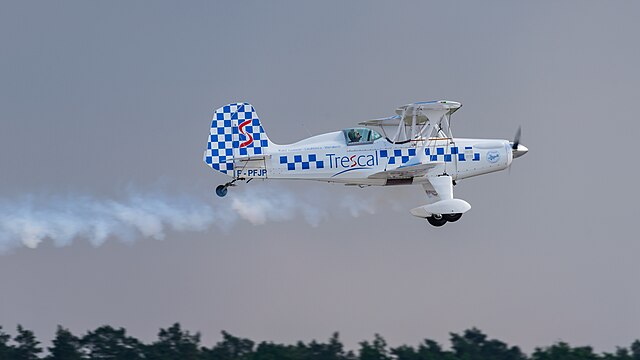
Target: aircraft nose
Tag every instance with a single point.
(519, 151)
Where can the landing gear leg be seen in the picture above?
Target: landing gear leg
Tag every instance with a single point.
(436, 220)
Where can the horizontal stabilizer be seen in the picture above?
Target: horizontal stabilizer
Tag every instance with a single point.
(243, 159)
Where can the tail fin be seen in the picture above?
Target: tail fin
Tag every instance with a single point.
(235, 132)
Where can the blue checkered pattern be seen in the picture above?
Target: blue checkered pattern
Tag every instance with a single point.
(301, 162)
(225, 137)
(398, 156)
(441, 154)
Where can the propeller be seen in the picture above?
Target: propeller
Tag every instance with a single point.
(517, 149)
(516, 139)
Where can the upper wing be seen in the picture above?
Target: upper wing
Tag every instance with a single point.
(423, 111)
(447, 106)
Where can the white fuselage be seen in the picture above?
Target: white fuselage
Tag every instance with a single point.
(327, 157)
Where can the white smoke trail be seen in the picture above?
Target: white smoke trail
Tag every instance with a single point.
(357, 205)
(29, 220)
(277, 204)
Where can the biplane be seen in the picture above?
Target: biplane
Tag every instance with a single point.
(415, 146)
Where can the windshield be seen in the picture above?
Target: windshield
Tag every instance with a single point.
(360, 136)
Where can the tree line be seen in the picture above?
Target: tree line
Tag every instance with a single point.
(174, 343)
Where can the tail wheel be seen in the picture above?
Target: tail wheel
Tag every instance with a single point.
(436, 220)
(452, 217)
(221, 190)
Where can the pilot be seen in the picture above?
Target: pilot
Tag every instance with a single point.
(354, 135)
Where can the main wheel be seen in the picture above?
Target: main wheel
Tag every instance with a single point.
(452, 217)
(436, 220)
(221, 190)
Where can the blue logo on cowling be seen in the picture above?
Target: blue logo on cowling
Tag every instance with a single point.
(493, 156)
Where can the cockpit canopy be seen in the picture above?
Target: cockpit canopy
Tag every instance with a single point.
(356, 136)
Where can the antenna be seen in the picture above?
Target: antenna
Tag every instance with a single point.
(305, 128)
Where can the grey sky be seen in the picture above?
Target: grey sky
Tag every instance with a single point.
(100, 97)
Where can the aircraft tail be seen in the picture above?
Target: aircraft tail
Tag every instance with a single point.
(236, 133)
